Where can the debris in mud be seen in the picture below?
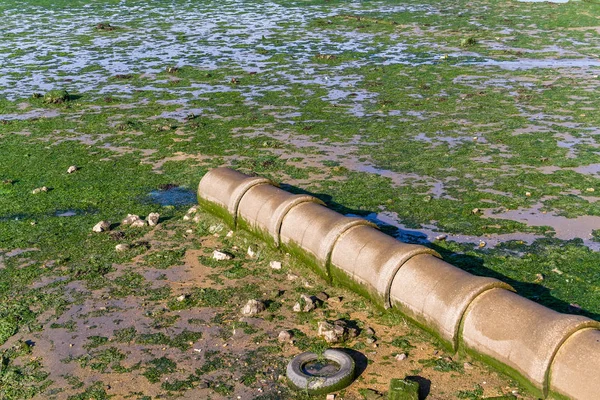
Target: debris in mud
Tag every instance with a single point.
(275, 265)
(72, 169)
(105, 26)
(285, 336)
(121, 247)
(467, 42)
(153, 219)
(252, 251)
(133, 220)
(42, 189)
(101, 226)
(306, 304)
(221, 255)
(56, 97)
(253, 307)
(336, 332)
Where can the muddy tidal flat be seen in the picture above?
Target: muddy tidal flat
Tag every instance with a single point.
(469, 127)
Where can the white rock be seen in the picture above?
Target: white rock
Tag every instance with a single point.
(285, 336)
(275, 264)
(122, 247)
(220, 255)
(187, 217)
(130, 219)
(192, 210)
(441, 237)
(196, 218)
(253, 307)
(101, 226)
(181, 298)
(71, 169)
(297, 307)
(467, 365)
(330, 396)
(309, 303)
(189, 231)
(332, 333)
(42, 189)
(216, 228)
(252, 251)
(292, 277)
(138, 223)
(400, 357)
(229, 234)
(153, 219)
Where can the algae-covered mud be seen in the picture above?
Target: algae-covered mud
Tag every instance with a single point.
(469, 127)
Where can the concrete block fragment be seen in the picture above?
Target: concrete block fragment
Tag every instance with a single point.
(575, 371)
(436, 294)
(372, 259)
(519, 334)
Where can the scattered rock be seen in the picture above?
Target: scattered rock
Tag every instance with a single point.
(122, 247)
(441, 237)
(330, 396)
(292, 277)
(130, 219)
(482, 243)
(138, 223)
(285, 336)
(196, 218)
(253, 307)
(101, 226)
(371, 339)
(221, 255)
(539, 277)
(369, 331)
(336, 332)
(334, 300)
(475, 211)
(557, 271)
(252, 251)
(229, 234)
(589, 190)
(275, 264)
(42, 189)
(528, 194)
(181, 298)
(153, 219)
(202, 385)
(216, 228)
(72, 169)
(467, 366)
(310, 302)
(400, 357)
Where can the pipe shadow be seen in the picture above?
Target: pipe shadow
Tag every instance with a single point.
(360, 361)
(469, 263)
(424, 385)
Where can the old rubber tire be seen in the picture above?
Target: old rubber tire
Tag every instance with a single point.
(321, 384)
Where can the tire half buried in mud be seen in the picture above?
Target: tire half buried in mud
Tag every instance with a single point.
(330, 372)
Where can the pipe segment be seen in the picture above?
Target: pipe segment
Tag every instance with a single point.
(522, 335)
(575, 371)
(551, 353)
(436, 294)
(372, 258)
(264, 206)
(221, 190)
(314, 230)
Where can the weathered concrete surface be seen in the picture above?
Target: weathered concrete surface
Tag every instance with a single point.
(264, 206)
(575, 372)
(519, 333)
(372, 258)
(436, 294)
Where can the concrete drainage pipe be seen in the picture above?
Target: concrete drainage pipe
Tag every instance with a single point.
(554, 354)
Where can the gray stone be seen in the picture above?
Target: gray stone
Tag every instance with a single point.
(253, 307)
(101, 226)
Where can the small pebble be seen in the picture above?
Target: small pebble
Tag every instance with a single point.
(475, 211)
(285, 336)
(371, 340)
(275, 264)
(589, 190)
(401, 357)
(220, 255)
(196, 219)
(252, 251)
(292, 277)
(153, 219)
(482, 243)
(122, 247)
(528, 194)
(330, 396)
(71, 169)
(441, 237)
(42, 189)
(539, 277)
(181, 298)
(101, 226)
(229, 234)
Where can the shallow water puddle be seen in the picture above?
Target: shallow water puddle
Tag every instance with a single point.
(176, 196)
